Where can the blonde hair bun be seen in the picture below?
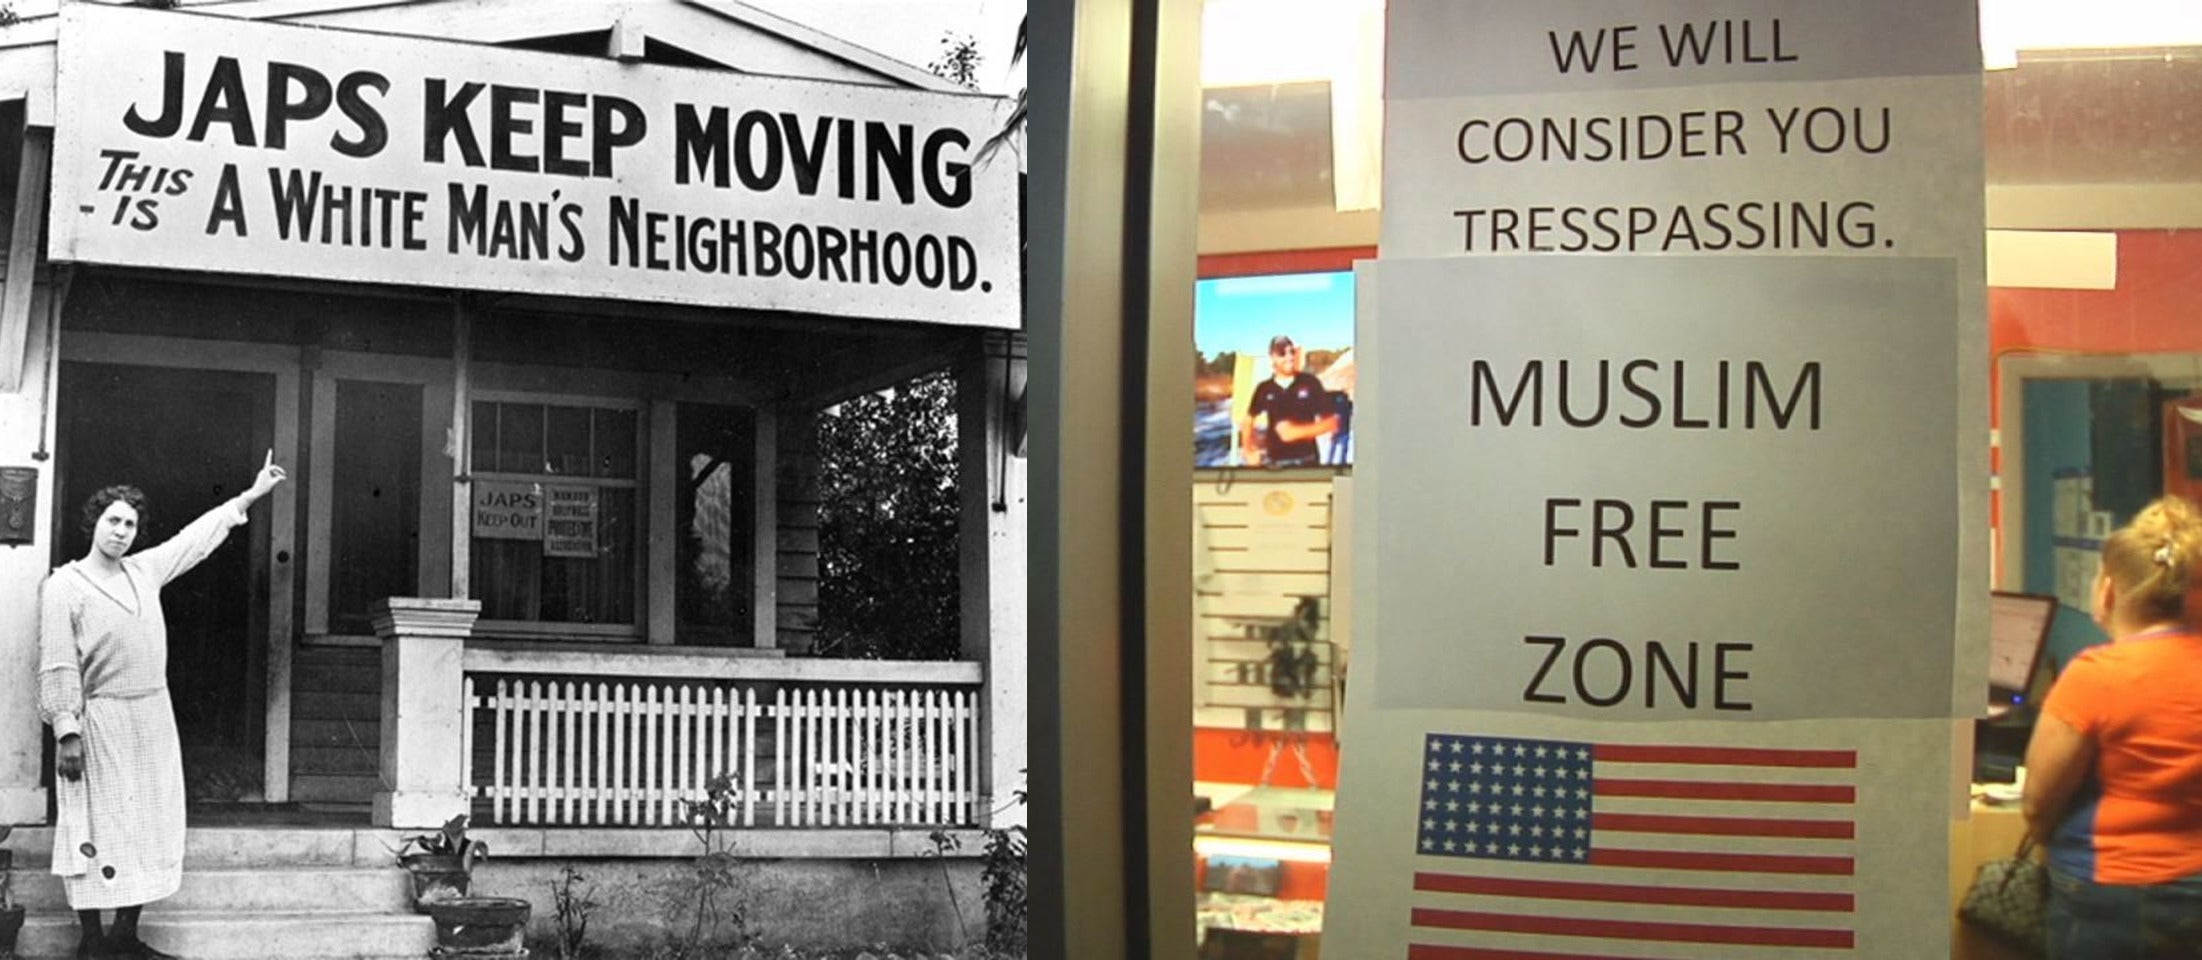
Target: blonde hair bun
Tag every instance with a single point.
(2152, 560)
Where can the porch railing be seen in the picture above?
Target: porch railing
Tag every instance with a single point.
(571, 738)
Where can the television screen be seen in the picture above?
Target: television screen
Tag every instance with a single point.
(1275, 382)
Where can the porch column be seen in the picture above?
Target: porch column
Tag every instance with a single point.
(26, 442)
(991, 479)
(764, 539)
(424, 713)
(29, 333)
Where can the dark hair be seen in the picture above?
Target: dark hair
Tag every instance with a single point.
(98, 503)
(1280, 344)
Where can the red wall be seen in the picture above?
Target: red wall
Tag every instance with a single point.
(2156, 308)
(1282, 261)
(1222, 755)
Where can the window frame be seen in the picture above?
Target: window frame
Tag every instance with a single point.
(644, 521)
(757, 462)
(2008, 439)
(281, 536)
(656, 397)
(433, 554)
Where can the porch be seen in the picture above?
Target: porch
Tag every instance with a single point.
(540, 735)
(322, 884)
(856, 808)
(717, 531)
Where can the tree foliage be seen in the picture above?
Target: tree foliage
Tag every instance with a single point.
(1013, 128)
(888, 551)
(888, 555)
(958, 61)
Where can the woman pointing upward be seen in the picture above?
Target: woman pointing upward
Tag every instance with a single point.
(103, 687)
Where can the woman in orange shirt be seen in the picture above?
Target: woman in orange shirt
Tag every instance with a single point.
(2114, 771)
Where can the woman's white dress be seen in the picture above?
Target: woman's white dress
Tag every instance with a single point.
(103, 672)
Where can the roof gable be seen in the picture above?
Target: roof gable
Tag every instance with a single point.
(723, 33)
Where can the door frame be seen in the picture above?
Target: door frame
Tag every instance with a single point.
(284, 364)
(433, 557)
(2015, 371)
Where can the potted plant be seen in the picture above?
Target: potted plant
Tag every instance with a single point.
(11, 913)
(480, 926)
(441, 863)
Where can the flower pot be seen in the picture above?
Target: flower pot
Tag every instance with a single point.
(436, 877)
(11, 917)
(480, 926)
(11, 925)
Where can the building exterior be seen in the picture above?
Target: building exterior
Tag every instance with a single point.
(540, 303)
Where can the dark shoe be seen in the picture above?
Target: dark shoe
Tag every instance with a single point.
(133, 948)
(88, 947)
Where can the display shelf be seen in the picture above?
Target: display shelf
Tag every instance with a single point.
(1264, 859)
(1270, 813)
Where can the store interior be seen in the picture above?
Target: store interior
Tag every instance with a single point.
(2093, 142)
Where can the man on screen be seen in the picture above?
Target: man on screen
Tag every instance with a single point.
(1290, 411)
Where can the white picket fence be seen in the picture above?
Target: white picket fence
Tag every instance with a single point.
(876, 746)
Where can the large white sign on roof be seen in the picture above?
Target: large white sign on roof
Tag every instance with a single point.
(215, 144)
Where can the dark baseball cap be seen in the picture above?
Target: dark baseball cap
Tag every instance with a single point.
(1279, 345)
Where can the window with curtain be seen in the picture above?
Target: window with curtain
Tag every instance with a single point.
(714, 511)
(554, 512)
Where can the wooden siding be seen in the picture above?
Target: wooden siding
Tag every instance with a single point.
(336, 723)
(798, 533)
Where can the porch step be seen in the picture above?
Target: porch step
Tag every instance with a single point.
(224, 935)
(255, 889)
(251, 893)
(217, 847)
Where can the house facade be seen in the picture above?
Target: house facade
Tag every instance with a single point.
(541, 305)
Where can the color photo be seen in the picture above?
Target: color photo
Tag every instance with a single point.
(1274, 381)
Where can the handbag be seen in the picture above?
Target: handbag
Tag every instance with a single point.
(2009, 900)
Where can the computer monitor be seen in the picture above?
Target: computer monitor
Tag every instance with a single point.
(2018, 631)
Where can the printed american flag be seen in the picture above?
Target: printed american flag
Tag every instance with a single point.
(1556, 850)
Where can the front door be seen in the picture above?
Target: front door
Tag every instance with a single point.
(190, 439)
